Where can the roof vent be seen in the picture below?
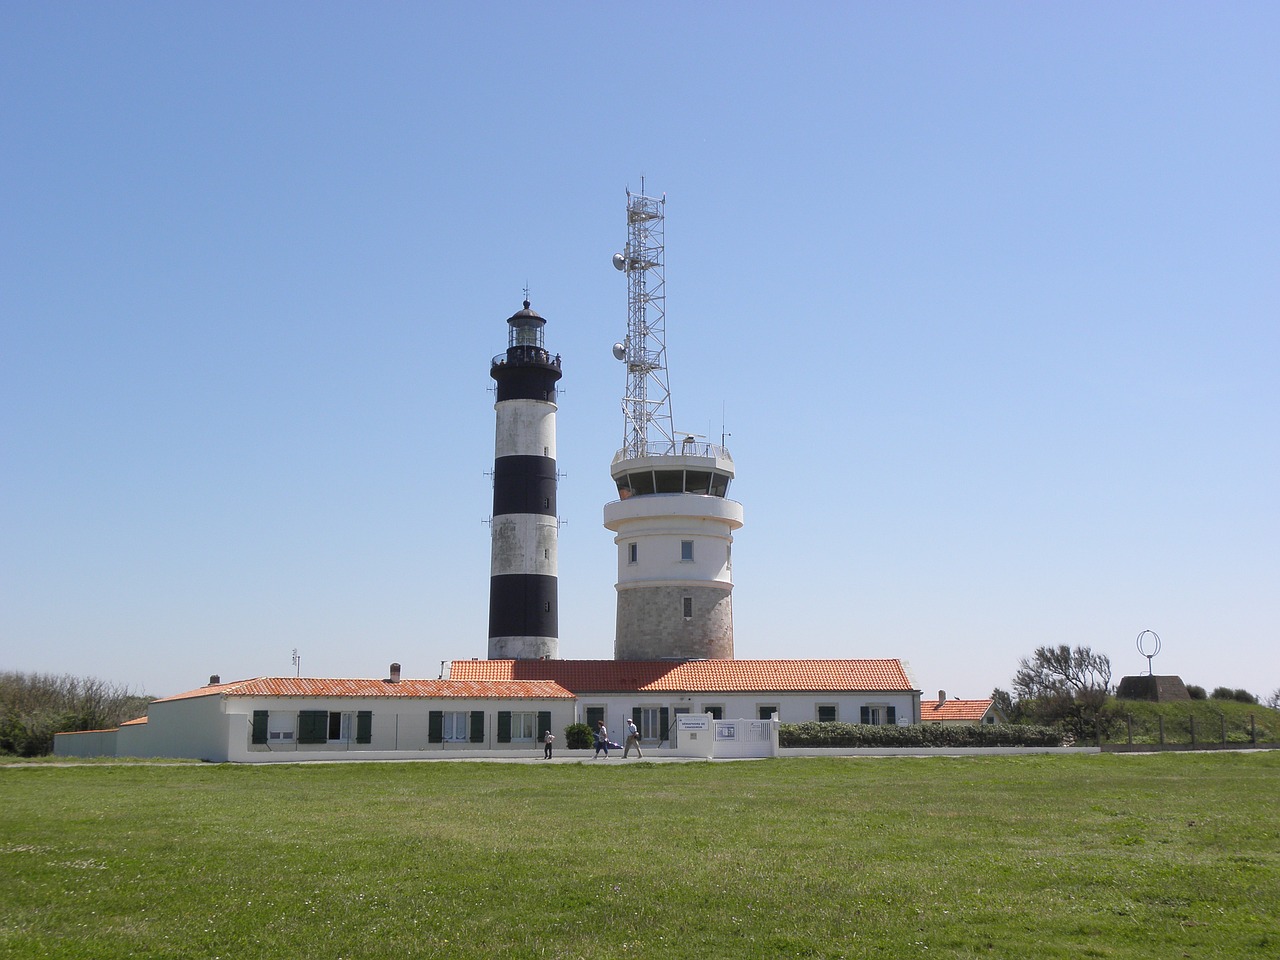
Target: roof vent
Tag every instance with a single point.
(942, 697)
(214, 679)
(395, 673)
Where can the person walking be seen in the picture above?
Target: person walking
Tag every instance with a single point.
(633, 740)
(548, 738)
(602, 740)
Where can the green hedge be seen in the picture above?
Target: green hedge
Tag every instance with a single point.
(814, 734)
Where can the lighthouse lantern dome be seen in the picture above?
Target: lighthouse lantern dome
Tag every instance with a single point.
(524, 328)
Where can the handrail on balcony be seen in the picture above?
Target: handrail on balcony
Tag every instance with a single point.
(683, 448)
(526, 356)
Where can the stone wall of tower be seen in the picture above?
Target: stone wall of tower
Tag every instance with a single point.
(651, 623)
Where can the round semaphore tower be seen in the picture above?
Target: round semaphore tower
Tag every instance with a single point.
(673, 523)
(673, 526)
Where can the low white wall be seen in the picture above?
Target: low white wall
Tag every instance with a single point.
(87, 743)
(699, 735)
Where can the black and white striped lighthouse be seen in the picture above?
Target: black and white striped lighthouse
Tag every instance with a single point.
(523, 602)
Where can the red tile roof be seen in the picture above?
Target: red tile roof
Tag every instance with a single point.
(955, 710)
(320, 687)
(705, 676)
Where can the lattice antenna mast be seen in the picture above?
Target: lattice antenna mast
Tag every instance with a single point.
(646, 407)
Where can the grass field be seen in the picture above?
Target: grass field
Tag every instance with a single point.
(1081, 856)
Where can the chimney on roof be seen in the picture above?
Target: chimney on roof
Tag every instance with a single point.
(214, 679)
(395, 673)
(942, 697)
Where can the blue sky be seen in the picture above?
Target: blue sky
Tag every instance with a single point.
(986, 295)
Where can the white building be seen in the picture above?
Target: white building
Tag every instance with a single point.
(654, 692)
(297, 718)
(496, 707)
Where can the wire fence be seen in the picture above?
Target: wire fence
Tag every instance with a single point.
(1189, 731)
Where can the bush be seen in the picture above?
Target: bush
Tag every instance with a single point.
(853, 735)
(1226, 693)
(578, 736)
(1078, 714)
(1196, 692)
(34, 707)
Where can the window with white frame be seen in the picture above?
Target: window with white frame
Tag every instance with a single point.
(522, 726)
(281, 727)
(877, 714)
(456, 726)
(650, 723)
(827, 713)
(339, 727)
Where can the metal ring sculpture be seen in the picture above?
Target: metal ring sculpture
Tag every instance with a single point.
(1154, 643)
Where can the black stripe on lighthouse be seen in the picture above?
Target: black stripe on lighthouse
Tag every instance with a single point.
(523, 605)
(524, 485)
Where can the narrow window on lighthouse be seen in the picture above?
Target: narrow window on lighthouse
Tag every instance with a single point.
(686, 549)
(688, 608)
(631, 553)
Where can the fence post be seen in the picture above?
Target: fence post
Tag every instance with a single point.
(1097, 731)
(1224, 729)
(1193, 731)
(1129, 722)
(1253, 730)
(1161, 719)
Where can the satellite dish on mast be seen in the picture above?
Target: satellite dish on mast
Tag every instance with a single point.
(619, 352)
(619, 261)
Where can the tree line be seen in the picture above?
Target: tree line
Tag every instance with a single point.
(35, 706)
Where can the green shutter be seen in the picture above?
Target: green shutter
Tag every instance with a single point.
(664, 723)
(637, 717)
(544, 724)
(313, 726)
(504, 726)
(435, 726)
(259, 727)
(891, 715)
(477, 726)
(364, 726)
(864, 715)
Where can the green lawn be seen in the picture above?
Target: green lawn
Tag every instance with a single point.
(1029, 857)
